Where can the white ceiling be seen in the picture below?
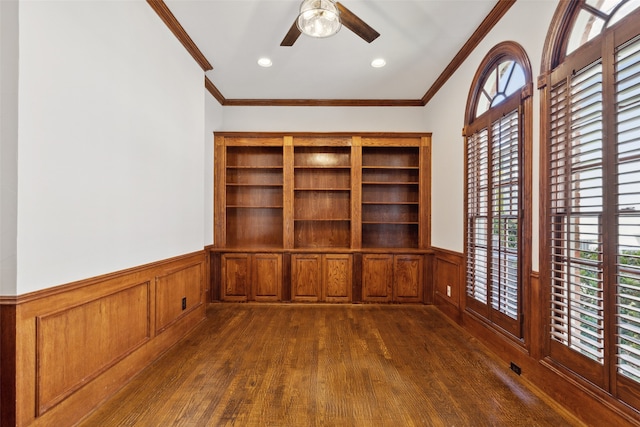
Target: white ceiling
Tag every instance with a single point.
(418, 39)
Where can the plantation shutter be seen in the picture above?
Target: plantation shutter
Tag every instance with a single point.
(505, 209)
(477, 215)
(493, 221)
(576, 208)
(628, 209)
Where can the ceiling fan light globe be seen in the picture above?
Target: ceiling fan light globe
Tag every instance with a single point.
(319, 18)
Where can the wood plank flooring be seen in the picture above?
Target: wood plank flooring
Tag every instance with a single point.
(327, 365)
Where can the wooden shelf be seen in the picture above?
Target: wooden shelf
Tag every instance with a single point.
(314, 204)
(392, 222)
(254, 157)
(322, 234)
(390, 157)
(253, 207)
(323, 167)
(321, 189)
(254, 196)
(254, 227)
(383, 203)
(366, 168)
(254, 176)
(389, 183)
(322, 178)
(251, 167)
(254, 185)
(321, 219)
(320, 157)
(393, 235)
(390, 194)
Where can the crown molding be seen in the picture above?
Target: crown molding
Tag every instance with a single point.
(213, 90)
(478, 35)
(171, 21)
(323, 103)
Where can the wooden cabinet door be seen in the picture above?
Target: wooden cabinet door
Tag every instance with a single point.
(407, 272)
(336, 277)
(377, 277)
(236, 276)
(267, 277)
(306, 274)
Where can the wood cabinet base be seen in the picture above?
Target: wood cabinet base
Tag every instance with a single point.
(328, 277)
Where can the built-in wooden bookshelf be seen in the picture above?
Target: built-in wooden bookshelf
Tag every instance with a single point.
(328, 210)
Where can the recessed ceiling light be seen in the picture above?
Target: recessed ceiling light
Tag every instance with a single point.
(265, 62)
(378, 63)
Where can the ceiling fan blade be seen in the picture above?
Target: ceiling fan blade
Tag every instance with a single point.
(292, 35)
(357, 25)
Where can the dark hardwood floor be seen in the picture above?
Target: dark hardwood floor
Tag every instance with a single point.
(328, 365)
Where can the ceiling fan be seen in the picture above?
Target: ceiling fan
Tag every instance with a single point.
(322, 18)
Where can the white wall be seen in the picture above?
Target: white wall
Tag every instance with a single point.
(324, 119)
(444, 116)
(8, 144)
(110, 168)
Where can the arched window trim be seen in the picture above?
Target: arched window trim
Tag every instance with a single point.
(522, 102)
(500, 52)
(555, 46)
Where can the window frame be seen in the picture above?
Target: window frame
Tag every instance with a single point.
(518, 329)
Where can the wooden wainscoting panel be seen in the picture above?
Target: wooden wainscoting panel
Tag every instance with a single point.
(78, 343)
(447, 286)
(448, 279)
(177, 293)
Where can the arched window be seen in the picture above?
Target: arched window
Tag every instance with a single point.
(497, 137)
(590, 188)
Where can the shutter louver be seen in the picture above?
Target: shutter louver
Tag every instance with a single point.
(628, 209)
